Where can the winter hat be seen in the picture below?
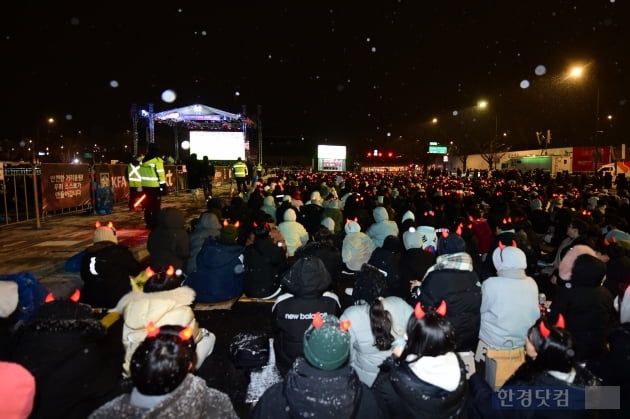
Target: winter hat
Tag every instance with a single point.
(380, 214)
(329, 223)
(408, 216)
(8, 298)
(588, 271)
(535, 204)
(104, 233)
(510, 261)
(289, 215)
(450, 244)
(17, 390)
(566, 264)
(352, 227)
(326, 343)
(229, 234)
(286, 198)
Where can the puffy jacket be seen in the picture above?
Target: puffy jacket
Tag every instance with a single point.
(306, 284)
(219, 275)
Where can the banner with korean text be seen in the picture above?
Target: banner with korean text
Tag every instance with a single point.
(64, 185)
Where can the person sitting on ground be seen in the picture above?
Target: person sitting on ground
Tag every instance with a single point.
(509, 306)
(265, 262)
(382, 226)
(66, 348)
(105, 269)
(208, 225)
(378, 331)
(321, 382)
(162, 301)
(306, 288)
(325, 246)
(163, 383)
(415, 261)
(452, 279)
(311, 213)
(168, 242)
(294, 233)
(584, 302)
(551, 362)
(220, 271)
(429, 378)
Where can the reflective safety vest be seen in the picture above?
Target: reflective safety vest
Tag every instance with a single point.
(133, 173)
(239, 169)
(152, 173)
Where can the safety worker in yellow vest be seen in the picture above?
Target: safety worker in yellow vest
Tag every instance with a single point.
(153, 184)
(135, 182)
(239, 171)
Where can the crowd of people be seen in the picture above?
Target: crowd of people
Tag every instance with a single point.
(394, 295)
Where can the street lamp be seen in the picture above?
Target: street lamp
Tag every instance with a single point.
(577, 72)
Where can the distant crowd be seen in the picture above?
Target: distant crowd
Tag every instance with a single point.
(393, 295)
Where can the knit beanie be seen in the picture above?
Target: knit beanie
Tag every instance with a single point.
(8, 298)
(450, 244)
(352, 227)
(104, 233)
(408, 216)
(229, 234)
(566, 264)
(510, 262)
(17, 391)
(286, 198)
(326, 344)
(329, 223)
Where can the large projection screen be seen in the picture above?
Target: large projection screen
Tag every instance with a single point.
(217, 145)
(331, 157)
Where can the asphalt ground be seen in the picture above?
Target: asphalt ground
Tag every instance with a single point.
(43, 252)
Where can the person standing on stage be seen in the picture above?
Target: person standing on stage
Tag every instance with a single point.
(153, 184)
(240, 172)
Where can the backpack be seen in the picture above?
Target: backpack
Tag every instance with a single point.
(249, 349)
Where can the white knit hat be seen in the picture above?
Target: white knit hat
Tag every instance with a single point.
(329, 223)
(105, 234)
(409, 215)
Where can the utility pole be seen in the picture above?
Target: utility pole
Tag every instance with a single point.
(259, 125)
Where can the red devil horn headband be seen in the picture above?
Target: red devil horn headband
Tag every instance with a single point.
(544, 330)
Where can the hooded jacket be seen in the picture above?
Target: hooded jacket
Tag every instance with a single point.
(509, 301)
(105, 271)
(164, 307)
(65, 348)
(309, 392)
(294, 233)
(207, 226)
(219, 275)
(168, 242)
(264, 264)
(460, 290)
(382, 226)
(586, 305)
(191, 399)
(405, 395)
(306, 284)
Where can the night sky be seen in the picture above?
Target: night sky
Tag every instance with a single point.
(364, 74)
